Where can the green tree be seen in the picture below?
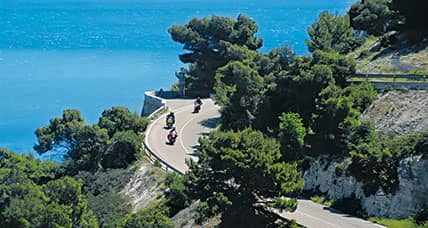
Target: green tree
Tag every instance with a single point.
(414, 13)
(32, 196)
(295, 90)
(115, 142)
(332, 33)
(338, 112)
(372, 16)
(212, 42)
(238, 89)
(292, 134)
(89, 147)
(333, 120)
(277, 60)
(153, 216)
(103, 189)
(176, 195)
(23, 205)
(342, 67)
(121, 119)
(126, 147)
(240, 175)
(68, 192)
(59, 132)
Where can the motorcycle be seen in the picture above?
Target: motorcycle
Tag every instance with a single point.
(197, 108)
(169, 122)
(172, 138)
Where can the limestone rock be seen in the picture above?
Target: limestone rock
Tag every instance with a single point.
(411, 196)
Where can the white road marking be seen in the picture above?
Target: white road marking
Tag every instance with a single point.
(149, 128)
(181, 133)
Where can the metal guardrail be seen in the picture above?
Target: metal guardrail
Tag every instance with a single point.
(152, 157)
(391, 75)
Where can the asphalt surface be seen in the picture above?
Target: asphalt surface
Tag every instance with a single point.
(190, 126)
(310, 214)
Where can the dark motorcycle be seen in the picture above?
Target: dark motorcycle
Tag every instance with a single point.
(197, 108)
(170, 122)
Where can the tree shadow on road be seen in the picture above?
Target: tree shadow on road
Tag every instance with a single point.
(211, 122)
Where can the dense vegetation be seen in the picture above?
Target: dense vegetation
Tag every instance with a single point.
(281, 110)
(35, 194)
(83, 191)
(242, 176)
(212, 42)
(114, 142)
(377, 17)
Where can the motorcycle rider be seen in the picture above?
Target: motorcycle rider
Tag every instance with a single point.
(170, 119)
(198, 103)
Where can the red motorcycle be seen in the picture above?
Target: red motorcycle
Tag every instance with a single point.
(172, 137)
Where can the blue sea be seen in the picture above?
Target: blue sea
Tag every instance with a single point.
(94, 54)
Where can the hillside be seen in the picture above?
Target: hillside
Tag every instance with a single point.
(371, 57)
(399, 112)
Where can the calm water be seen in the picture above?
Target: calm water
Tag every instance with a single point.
(94, 54)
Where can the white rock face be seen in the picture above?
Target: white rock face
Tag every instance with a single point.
(411, 196)
(143, 187)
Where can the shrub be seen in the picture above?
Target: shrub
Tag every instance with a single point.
(176, 196)
(421, 217)
(153, 216)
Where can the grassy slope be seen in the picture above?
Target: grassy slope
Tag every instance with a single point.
(408, 59)
(398, 223)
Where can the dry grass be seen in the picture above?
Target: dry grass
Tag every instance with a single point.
(408, 59)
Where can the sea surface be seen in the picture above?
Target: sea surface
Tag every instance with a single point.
(94, 54)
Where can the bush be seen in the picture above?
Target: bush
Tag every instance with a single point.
(153, 216)
(292, 133)
(375, 158)
(103, 194)
(421, 217)
(176, 196)
(30, 196)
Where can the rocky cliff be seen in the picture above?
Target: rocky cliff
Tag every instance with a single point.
(410, 197)
(395, 112)
(144, 186)
(399, 112)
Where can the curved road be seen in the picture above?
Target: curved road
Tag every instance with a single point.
(191, 126)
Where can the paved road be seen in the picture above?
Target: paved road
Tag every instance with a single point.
(310, 214)
(191, 126)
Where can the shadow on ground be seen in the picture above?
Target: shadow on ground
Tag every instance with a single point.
(211, 122)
